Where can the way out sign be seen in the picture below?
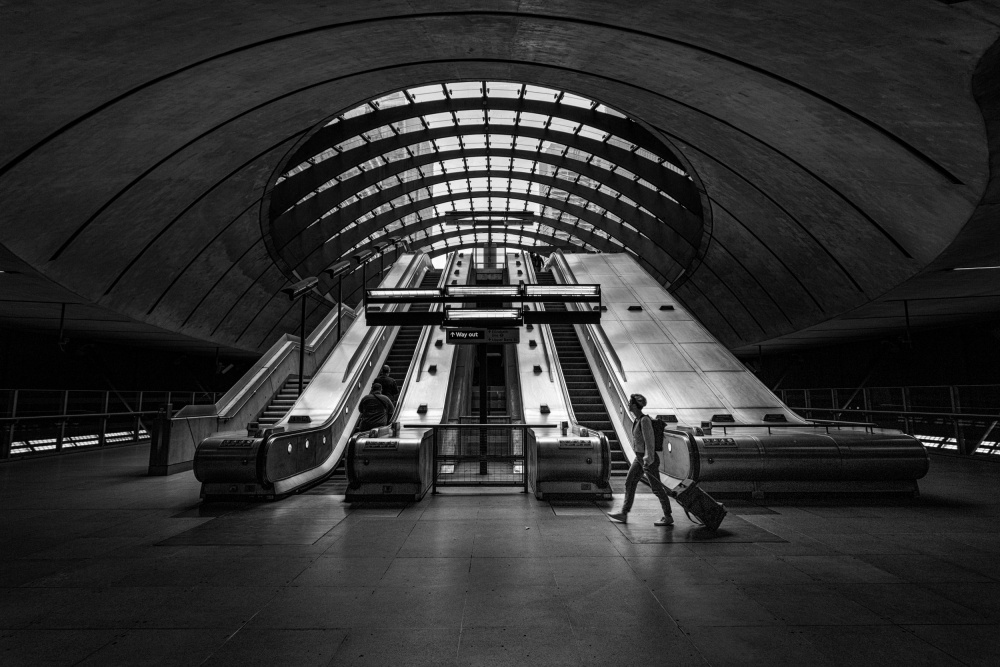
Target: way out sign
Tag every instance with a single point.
(482, 336)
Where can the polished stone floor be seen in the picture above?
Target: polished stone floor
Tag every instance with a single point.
(100, 564)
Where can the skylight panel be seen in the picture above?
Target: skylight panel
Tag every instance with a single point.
(540, 94)
(429, 93)
(357, 111)
(503, 89)
(501, 117)
(563, 125)
(522, 165)
(620, 143)
(527, 144)
(436, 120)
(350, 144)
(471, 117)
(465, 89)
(611, 112)
(447, 143)
(535, 120)
(396, 99)
(474, 141)
(593, 133)
(577, 101)
(502, 141)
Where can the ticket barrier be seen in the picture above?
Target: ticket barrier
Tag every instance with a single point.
(570, 461)
(383, 464)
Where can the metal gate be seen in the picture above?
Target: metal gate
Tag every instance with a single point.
(480, 454)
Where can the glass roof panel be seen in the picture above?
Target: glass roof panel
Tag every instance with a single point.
(496, 191)
(503, 89)
(465, 89)
(540, 94)
(429, 93)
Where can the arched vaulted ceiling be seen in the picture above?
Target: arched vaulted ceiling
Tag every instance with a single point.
(398, 165)
(830, 160)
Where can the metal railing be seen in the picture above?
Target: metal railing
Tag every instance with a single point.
(959, 418)
(35, 421)
(480, 454)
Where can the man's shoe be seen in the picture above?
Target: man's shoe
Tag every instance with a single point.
(620, 517)
(665, 521)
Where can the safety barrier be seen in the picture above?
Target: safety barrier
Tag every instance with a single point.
(480, 454)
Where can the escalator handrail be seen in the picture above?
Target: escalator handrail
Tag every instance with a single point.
(379, 330)
(551, 354)
(241, 393)
(427, 334)
(607, 349)
(558, 259)
(367, 349)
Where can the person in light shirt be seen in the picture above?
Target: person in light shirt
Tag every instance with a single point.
(646, 462)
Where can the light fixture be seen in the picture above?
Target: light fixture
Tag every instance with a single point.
(300, 288)
(337, 270)
(508, 292)
(486, 317)
(403, 295)
(563, 291)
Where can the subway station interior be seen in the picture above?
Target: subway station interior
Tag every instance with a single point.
(223, 223)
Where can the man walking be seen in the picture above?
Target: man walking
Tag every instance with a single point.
(646, 462)
(375, 408)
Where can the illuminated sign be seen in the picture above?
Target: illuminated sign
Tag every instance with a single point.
(487, 336)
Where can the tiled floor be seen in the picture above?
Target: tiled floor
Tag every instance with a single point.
(100, 564)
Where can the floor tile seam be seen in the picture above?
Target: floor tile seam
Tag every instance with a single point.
(819, 649)
(905, 583)
(116, 636)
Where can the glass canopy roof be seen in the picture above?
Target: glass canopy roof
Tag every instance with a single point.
(461, 163)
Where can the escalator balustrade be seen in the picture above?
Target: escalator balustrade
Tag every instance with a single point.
(588, 406)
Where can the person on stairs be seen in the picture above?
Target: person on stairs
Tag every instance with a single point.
(646, 462)
(376, 409)
(389, 387)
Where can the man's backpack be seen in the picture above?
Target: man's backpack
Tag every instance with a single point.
(658, 426)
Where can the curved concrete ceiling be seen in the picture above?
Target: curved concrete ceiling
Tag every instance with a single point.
(839, 151)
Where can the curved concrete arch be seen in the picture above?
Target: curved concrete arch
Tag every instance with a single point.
(142, 150)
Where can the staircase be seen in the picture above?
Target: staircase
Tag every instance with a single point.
(282, 401)
(588, 406)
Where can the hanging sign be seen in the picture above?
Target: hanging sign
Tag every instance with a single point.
(482, 336)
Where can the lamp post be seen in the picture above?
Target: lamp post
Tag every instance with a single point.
(338, 271)
(362, 258)
(380, 249)
(299, 291)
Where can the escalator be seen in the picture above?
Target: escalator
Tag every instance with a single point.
(588, 406)
(399, 360)
(400, 356)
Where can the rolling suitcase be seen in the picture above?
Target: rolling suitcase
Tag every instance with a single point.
(704, 507)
